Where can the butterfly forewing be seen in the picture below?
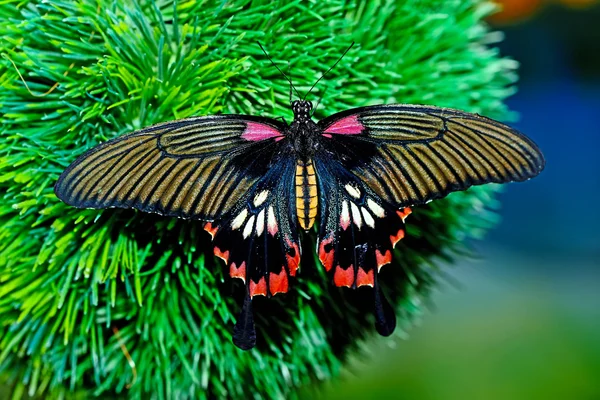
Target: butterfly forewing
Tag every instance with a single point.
(413, 154)
(193, 168)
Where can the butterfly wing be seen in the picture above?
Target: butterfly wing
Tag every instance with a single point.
(196, 168)
(410, 155)
(235, 172)
(378, 161)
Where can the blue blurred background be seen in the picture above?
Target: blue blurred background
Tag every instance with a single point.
(525, 323)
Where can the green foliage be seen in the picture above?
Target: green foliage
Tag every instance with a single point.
(77, 287)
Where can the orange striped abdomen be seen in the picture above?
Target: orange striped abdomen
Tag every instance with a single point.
(306, 194)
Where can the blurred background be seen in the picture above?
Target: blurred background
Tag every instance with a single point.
(524, 322)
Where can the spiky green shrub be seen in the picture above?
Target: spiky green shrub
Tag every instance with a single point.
(89, 298)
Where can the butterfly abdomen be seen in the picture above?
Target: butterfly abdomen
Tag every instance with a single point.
(306, 193)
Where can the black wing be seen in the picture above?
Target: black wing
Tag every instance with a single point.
(410, 155)
(195, 168)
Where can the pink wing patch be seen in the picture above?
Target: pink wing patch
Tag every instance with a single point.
(256, 131)
(345, 126)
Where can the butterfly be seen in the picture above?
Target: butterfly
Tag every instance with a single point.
(256, 182)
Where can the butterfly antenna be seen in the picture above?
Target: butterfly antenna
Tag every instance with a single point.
(280, 71)
(290, 75)
(326, 72)
(318, 102)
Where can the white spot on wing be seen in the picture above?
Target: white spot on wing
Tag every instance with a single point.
(367, 217)
(352, 191)
(260, 198)
(376, 208)
(356, 215)
(260, 222)
(345, 217)
(248, 227)
(271, 221)
(239, 220)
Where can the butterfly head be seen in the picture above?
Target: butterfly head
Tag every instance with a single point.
(302, 110)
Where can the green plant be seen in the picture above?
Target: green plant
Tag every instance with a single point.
(81, 290)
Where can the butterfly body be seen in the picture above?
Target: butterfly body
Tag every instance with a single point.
(307, 200)
(256, 182)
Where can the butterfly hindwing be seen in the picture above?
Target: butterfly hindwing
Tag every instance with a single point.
(410, 155)
(357, 233)
(258, 241)
(196, 168)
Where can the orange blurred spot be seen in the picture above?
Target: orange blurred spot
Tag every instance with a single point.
(514, 10)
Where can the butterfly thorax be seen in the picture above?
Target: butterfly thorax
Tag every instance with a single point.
(303, 132)
(304, 135)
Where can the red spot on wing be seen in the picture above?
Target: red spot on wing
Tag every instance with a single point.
(383, 259)
(343, 277)
(238, 272)
(256, 131)
(209, 228)
(258, 289)
(223, 255)
(326, 257)
(404, 212)
(278, 283)
(364, 278)
(397, 237)
(346, 126)
(293, 261)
